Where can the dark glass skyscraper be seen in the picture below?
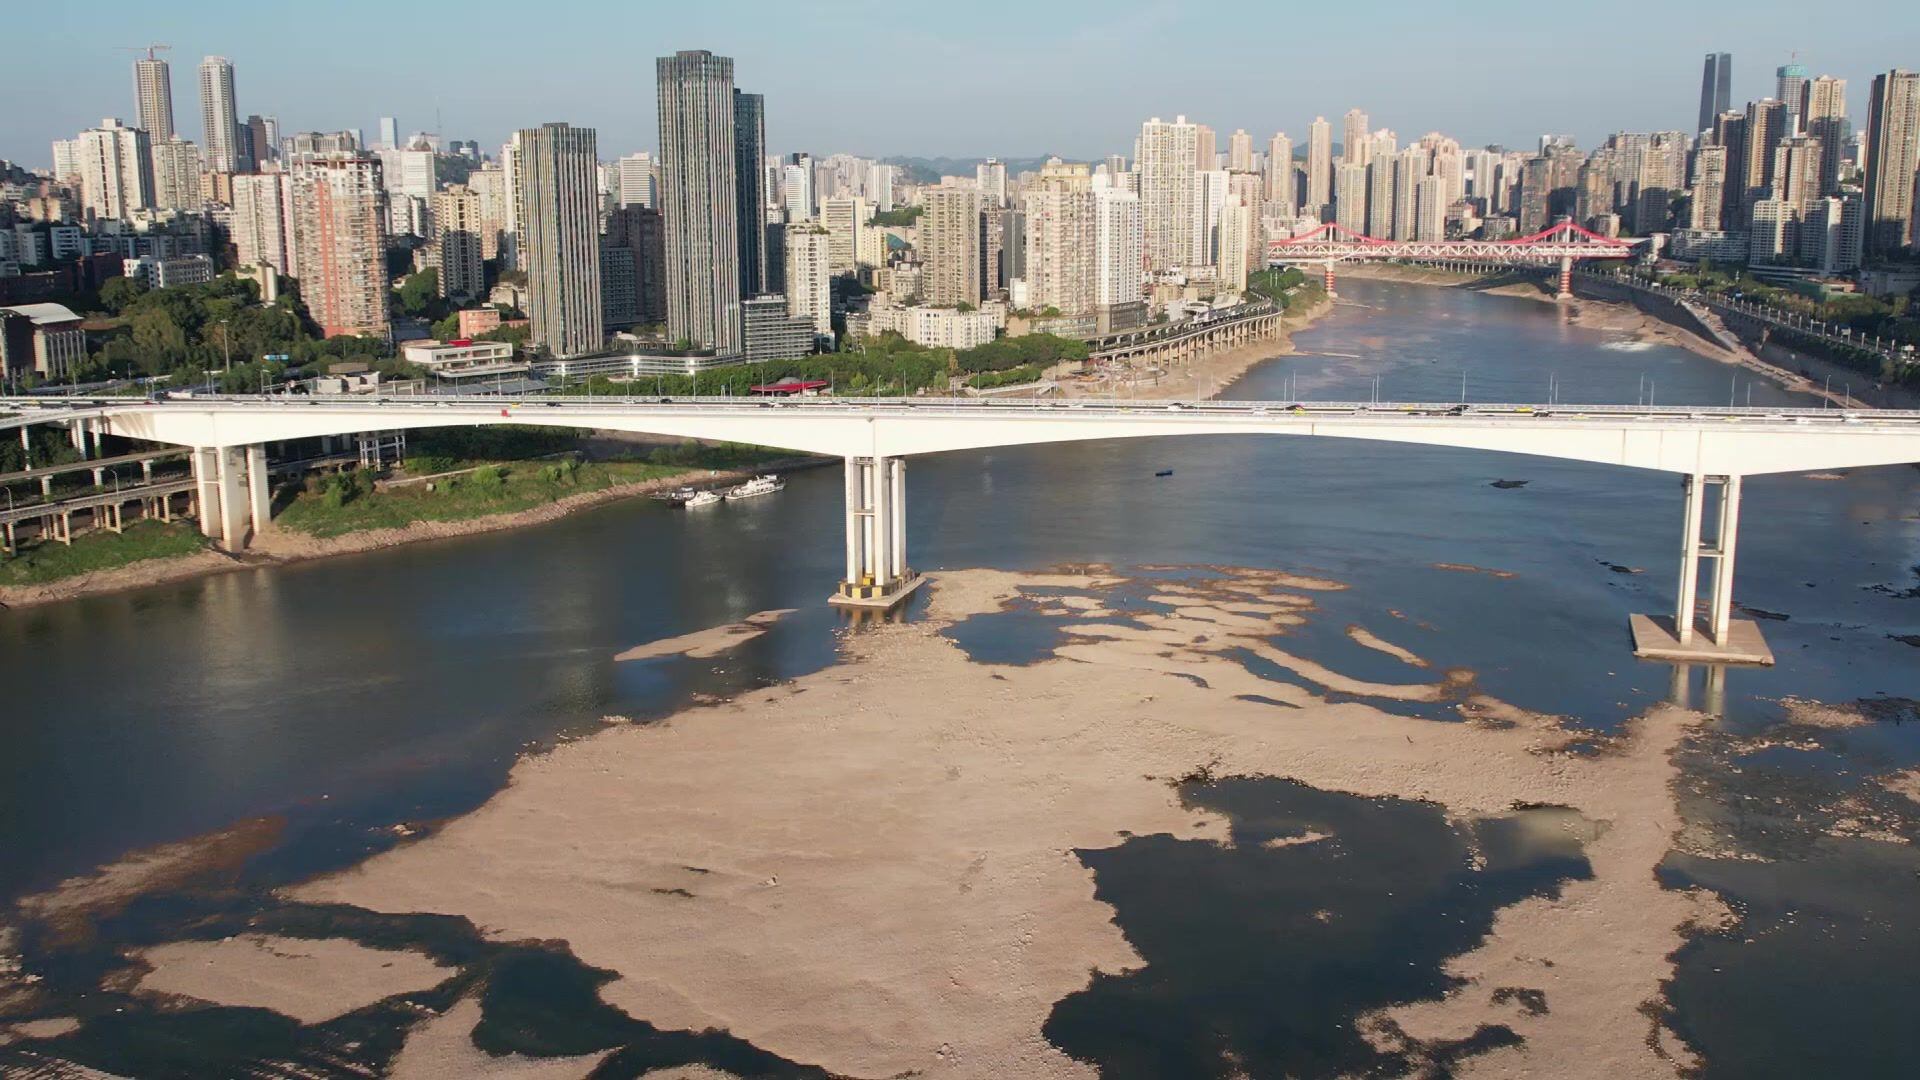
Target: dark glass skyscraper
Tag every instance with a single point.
(750, 187)
(1716, 88)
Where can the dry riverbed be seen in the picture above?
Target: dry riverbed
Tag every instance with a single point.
(880, 869)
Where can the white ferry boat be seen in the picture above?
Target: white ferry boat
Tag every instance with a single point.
(759, 485)
(700, 498)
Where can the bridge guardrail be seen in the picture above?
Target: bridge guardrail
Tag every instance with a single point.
(492, 406)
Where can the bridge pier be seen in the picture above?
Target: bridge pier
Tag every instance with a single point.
(1727, 640)
(259, 495)
(1566, 279)
(206, 490)
(232, 494)
(876, 504)
(1327, 279)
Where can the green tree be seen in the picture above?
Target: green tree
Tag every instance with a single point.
(157, 333)
(900, 216)
(419, 292)
(118, 292)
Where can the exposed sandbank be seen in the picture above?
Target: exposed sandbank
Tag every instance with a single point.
(311, 980)
(703, 644)
(441, 1048)
(1368, 638)
(871, 869)
(70, 907)
(49, 1028)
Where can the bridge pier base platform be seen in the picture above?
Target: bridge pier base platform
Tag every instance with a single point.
(1654, 639)
(871, 597)
(1713, 539)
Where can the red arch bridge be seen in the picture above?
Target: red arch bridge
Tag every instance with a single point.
(1562, 244)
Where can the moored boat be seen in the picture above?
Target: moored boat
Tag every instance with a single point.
(759, 485)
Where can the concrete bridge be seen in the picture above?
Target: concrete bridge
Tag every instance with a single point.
(1712, 448)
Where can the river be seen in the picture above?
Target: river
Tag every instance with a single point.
(343, 697)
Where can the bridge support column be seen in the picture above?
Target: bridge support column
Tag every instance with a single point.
(1727, 640)
(77, 433)
(206, 490)
(235, 511)
(877, 573)
(1328, 279)
(1727, 538)
(1566, 279)
(259, 495)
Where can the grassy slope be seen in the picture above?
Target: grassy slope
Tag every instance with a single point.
(95, 551)
(459, 498)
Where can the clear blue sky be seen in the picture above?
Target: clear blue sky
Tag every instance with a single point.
(1073, 77)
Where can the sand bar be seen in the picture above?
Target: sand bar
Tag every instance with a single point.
(311, 980)
(877, 875)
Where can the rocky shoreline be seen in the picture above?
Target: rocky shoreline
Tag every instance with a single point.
(281, 547)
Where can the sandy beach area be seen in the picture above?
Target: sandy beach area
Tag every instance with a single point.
(873, 868)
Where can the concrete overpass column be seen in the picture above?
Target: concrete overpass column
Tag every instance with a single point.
(259, 494)
(853, 520)
(1683, 610)
(898, 519)
(235, 513)
(869, 542)
(1727, 539)
(207, 489)
(77, 432)
(881, 472)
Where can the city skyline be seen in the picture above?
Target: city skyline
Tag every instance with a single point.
(1416, 81)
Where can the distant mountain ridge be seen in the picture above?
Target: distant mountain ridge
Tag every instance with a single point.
(929, 170)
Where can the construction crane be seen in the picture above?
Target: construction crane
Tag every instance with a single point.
(148, 49)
